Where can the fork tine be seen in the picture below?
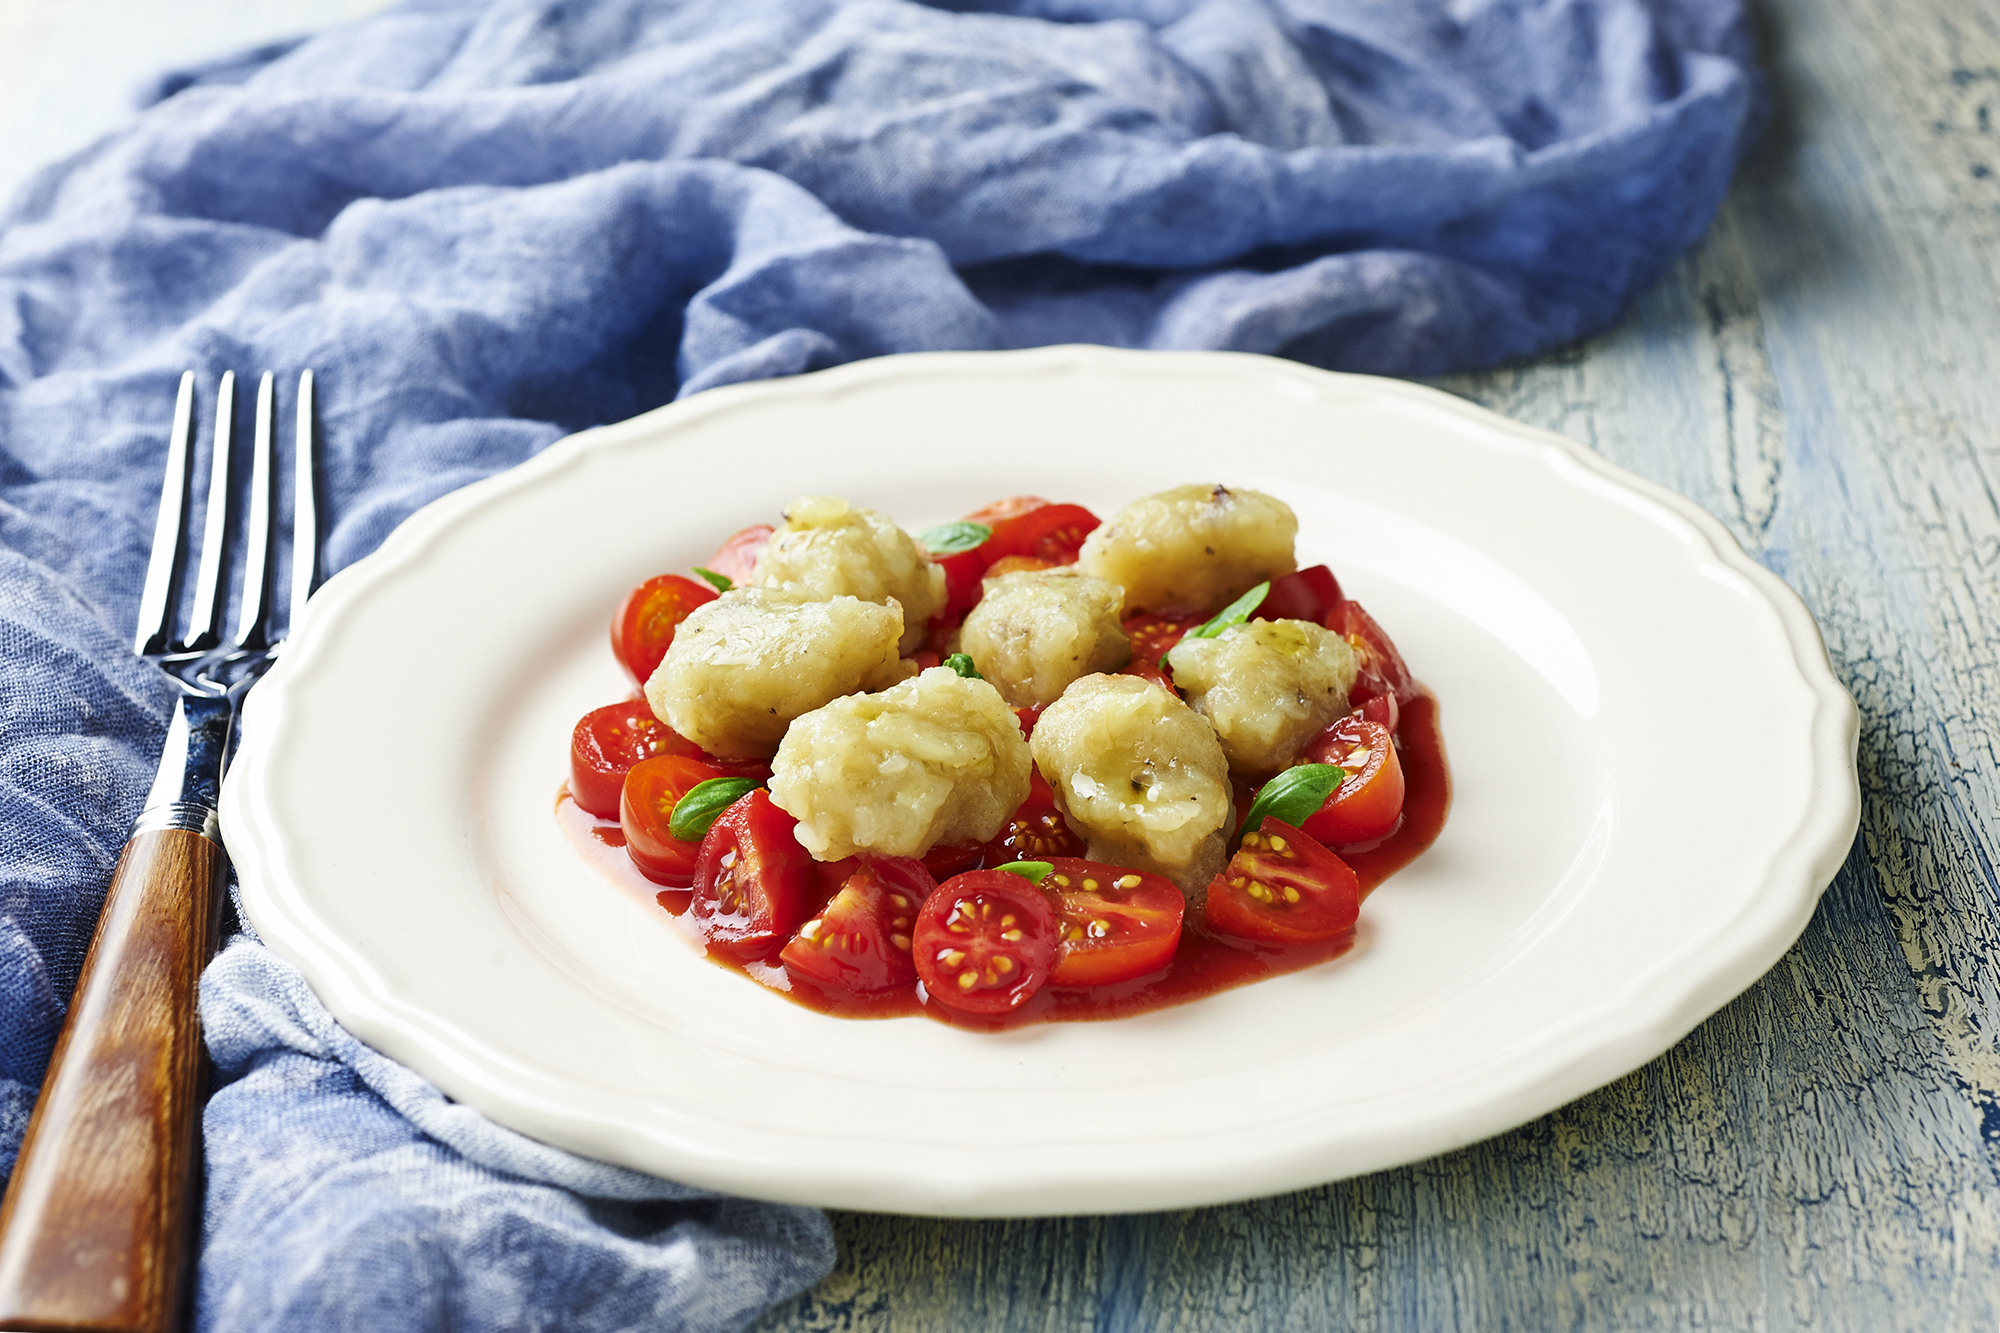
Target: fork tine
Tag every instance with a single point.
(164, 563)
(202, 633)
(305, 508)
(257, 560)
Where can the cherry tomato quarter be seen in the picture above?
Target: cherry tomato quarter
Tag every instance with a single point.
(651, 790)
(860, 942)
(646, 621)
(1117, 924)
(1282, 887)
(753, 883)
(1036, 831)
(1368, 804)
(737, 557)
(985, 942)
(1307, 594)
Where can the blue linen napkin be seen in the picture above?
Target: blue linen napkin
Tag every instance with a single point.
(485, 225)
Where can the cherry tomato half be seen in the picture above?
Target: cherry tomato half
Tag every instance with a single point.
(753, 883)
(647, 619)
(1052, 532)
(1035, 831)
(1381, 666)
(1117, 924)
(651, 791)
(1308, 594)
(985, 942)
(1154, 636)
(606, 743)
(737, 557)
(1282, 887)
(860, 941)
(1368, 804)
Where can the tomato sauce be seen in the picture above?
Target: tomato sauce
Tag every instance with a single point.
(1203, 965)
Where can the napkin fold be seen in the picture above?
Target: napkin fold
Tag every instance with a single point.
(486, 225)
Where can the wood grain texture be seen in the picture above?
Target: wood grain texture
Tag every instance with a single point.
(95, 1228)
(1819, 374)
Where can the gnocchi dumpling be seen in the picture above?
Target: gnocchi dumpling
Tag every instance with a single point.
(1267, 687)
(938, 758)
(743, 666)
(1139, 775)
(836, 550)
(1035, 631)
(1194, 547)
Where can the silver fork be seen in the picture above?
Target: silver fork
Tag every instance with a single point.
(96, 1227)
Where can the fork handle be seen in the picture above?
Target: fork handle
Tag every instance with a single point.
(96, 1227)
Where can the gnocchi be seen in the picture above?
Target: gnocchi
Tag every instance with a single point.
(1267, 687)
(742, 667)
(1139, 774)
(1035, 631)
(1193, 547)
(833, 549)
(938, 758)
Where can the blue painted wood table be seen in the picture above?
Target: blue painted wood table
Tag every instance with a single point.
(1821, 375)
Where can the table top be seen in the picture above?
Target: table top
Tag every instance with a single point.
(1819, 374)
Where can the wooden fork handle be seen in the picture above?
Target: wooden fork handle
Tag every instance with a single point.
(96, 1228)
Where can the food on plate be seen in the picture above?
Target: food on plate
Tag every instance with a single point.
(1015, 767)
(1140, 775)
(833, 549)
(1034, 632)
(937, 759)
(1267, 687)
(1194, 547)
(743, 666)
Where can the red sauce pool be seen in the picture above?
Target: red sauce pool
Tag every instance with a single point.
(1203, 965)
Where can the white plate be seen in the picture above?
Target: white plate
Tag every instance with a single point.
(1653, 768)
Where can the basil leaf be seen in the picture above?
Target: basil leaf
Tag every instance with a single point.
(1032, 871)
(1294, 795)
(722, 582)
(962, 664)
(951, 538)
(1235, 613)
(694, 812)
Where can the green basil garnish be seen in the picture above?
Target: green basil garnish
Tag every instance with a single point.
(1294, 795)
(694, 812)
(1235, 613)
(951, 538)
(1032, 871)
(962, 664)
(722, 582)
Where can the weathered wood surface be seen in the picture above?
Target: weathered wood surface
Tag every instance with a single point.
(1819, 374)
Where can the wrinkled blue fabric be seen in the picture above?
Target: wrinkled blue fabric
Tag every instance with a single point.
(486, 225)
